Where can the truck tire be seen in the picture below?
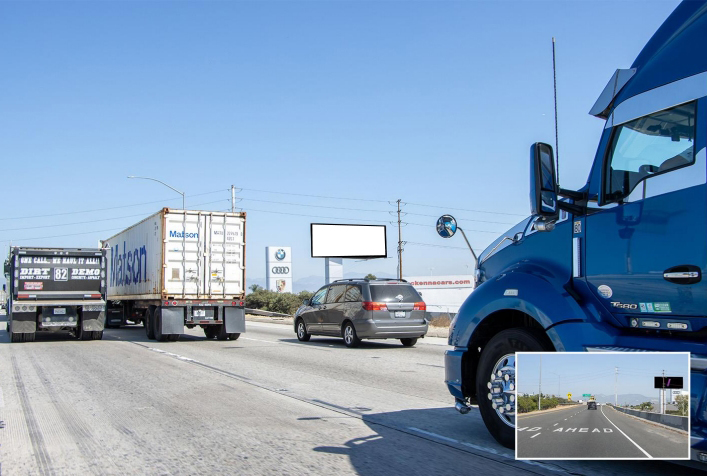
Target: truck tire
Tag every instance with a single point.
(173, 337)
(82, 334)
(97, 335)
(210, 332)
(221, 333)
(498, 357)
(147, 322)
(16, 337)
(157, 325)
(234, 336)
(29, 337)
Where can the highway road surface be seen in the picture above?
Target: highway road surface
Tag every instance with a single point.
(264, 404)
(577, 432)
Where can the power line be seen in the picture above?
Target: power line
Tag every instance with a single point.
(466, 209)
(464, 219)
(107, 208)
(317, 196)
(91, 221)
(59, 236)
(315, 206)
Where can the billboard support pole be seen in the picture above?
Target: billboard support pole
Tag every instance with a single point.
(333, 269)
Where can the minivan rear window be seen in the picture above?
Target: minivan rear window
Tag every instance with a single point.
(390, 292)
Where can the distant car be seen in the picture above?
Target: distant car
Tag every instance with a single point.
(591, 405)
(356, 309)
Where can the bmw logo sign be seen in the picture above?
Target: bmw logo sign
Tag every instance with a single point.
(280, 254)
(446, 226)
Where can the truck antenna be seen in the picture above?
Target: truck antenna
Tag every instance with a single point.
(557, 142)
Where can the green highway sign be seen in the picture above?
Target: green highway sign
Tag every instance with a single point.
(586, 395)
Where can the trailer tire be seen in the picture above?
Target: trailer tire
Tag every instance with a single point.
(209, 332)
(147, 322)
(29, 337)
(16, 337)
(173, 337)
(498, 353)
(97, 335)
(221, 333)
(157, 323)
(234, 335)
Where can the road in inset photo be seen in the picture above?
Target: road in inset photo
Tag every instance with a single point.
(603, 405)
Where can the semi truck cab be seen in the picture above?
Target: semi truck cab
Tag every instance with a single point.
(617, 265)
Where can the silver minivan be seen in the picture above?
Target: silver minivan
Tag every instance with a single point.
(356, 309)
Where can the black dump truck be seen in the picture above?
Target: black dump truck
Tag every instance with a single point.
(55, 289)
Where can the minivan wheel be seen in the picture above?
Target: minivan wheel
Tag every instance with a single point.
(496, 382)
(408, 341)
(349, 335)
(302, 334)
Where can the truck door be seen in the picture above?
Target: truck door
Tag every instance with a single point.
(645, 248)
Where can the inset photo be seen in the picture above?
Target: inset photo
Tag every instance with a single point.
(603, 405)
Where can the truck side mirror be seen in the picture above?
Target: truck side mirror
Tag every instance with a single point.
(543, 181)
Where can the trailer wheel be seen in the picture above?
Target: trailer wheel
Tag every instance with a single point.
(157, 321)
(97, 335)
(221, 333)
(16, 337)
(147, 322)
(209, 332)
(29, 337)
(234, 335)
(496, 383)
(173, 337)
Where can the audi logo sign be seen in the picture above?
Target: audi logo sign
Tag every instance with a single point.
(280, 270)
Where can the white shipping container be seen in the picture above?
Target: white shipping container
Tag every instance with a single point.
(177, 254)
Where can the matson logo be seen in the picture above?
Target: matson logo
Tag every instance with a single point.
(181, 234)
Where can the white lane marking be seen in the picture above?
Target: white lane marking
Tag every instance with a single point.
(536, 434)
(629, 439)
(2, 401)
(485, 449)
(555, 424)
(170, 354)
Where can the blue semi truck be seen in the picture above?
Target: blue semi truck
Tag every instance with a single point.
(616, 265)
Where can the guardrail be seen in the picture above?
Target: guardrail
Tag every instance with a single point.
(675, 421)
(258, 312)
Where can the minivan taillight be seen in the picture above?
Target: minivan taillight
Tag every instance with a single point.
(420, 306)
(374, 306)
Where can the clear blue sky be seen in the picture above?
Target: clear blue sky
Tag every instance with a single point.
(594, 373)
(435, 103)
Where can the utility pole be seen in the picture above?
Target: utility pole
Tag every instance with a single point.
(616, 383)
(540, 381)
(662, 395)
(233, 198)
(400, 245)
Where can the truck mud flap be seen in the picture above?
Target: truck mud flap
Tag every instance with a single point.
(23, 322)
(93, 320)
(234, 319)
(172, 320)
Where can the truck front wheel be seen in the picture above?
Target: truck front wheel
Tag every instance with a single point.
(496, 381)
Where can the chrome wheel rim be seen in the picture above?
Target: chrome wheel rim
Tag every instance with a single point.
(502, 389)
(300, 329)
(348, 334)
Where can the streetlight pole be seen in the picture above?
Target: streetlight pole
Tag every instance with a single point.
(166, 185)
(184, 229)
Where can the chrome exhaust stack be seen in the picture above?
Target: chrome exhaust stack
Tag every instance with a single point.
(462, 407)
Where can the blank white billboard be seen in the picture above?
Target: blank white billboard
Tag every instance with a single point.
(348, 241)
